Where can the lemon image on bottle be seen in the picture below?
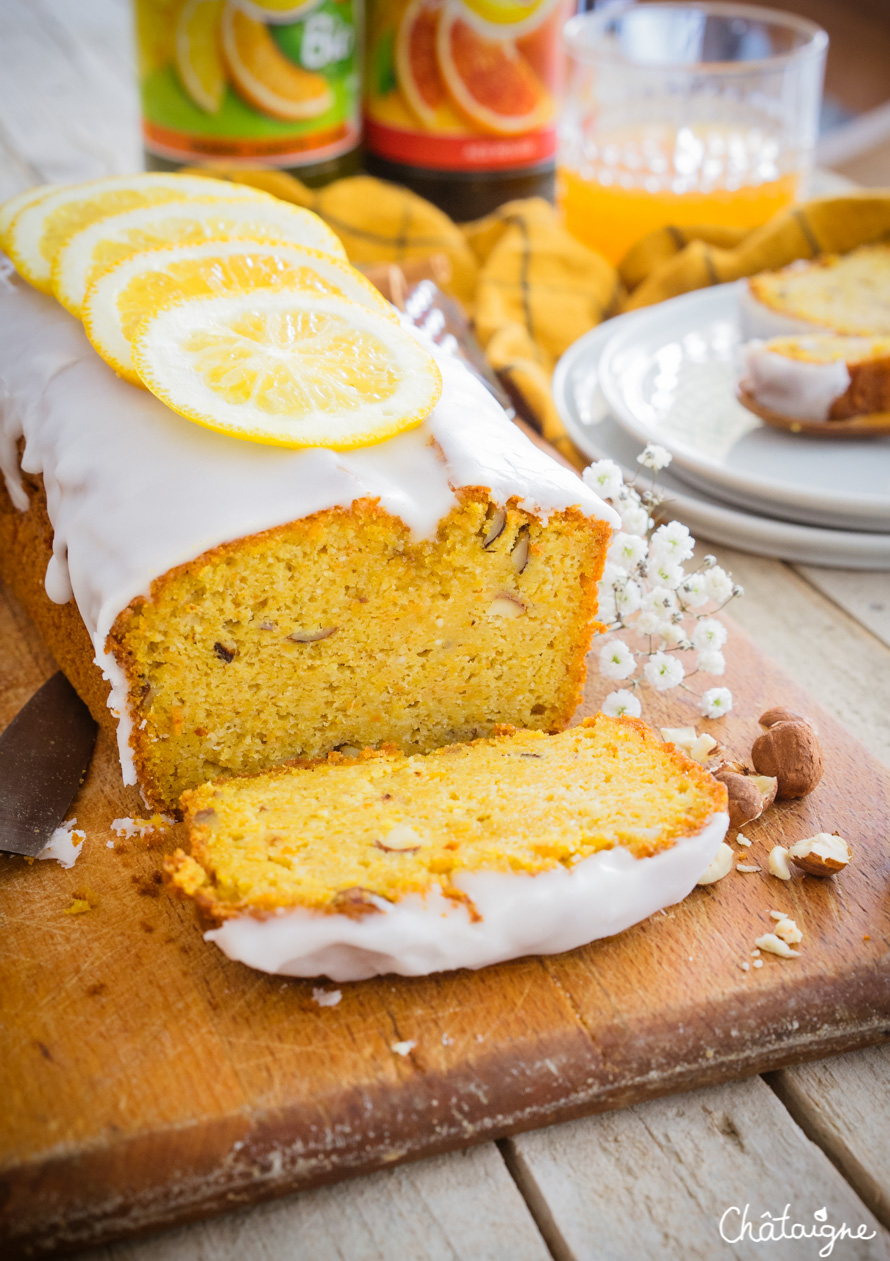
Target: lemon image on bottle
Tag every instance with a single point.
(264, 82)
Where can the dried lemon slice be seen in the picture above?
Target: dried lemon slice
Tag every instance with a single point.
(117, 299)
(39, 230)
(289, 369)
(102, 244)
(15, 205)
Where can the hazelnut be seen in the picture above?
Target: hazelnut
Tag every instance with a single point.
(720, 866)
(745, 798)
(824, 854)
(506, 605)
(789, 752)
(780, 714)
(778, 863)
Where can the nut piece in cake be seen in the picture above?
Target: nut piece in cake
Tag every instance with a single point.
(824, 854)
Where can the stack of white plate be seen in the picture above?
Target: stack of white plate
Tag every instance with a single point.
(667, 374)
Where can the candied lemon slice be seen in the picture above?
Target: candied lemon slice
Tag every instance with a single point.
(38, 231)
(107, 241)
(15, 205)
(118, 298)
(289, 369)
(197, 54)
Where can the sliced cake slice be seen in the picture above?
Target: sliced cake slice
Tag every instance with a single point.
(518, 843)
(821, 381)
(836, 293)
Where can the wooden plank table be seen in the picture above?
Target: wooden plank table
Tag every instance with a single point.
(649, 1181)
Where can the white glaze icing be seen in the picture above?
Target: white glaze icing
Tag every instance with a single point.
(792, 387)
(521, 915)
(134, 490)
(65, 845)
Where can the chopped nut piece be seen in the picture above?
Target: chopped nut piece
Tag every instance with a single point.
(225, 654)
(778, 863)
(698, 747)
(758, 963)
(741, 839)
(747, 867)
(403, 1048)
(506, 605)
(720, 866)
(495, 527)
(311, 637)
(777, 914)
(824, 854)
(775, 946)
(401, 839)
(787, 929)
(519, 555)
(746, 966)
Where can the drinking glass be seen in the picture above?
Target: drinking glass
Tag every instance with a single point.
(685, 114)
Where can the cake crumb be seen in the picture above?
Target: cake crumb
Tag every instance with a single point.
(127, 827)
(83, 900)
(326, 998)
(403, 1048)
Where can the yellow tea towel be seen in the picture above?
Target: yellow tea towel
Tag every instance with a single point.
(532, 289)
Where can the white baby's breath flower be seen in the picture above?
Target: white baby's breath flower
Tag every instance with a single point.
(673, 635)
(672, 542)
(654, 457)
(708, 633)
(627, 550)
(663, 672)
(666, 572)
(716, 702)
(635, 518)
(621, 704)
(648, 622)
(718, 585)
(604, 478)
(616, 660)
(693, 590)
(628, 598)
(660, 600)
(711, 661)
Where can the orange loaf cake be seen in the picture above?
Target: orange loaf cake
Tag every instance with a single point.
(240, 604)
(520, 843)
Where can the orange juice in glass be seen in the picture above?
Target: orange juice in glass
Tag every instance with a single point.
(685, 115)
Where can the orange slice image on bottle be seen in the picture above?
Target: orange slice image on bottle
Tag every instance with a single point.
(417, 68)
(263, 76)
(487, 78)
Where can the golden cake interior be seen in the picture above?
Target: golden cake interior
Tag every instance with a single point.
(848, 293)
(328, 835)
(341, 630)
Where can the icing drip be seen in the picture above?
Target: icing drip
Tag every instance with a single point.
(793, 387)
(521, 915)
(134, 490)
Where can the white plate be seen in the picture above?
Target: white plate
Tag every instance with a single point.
(585, 414)
(669, 372)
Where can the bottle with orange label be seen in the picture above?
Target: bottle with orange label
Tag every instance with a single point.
(258, 82)
(462, 98)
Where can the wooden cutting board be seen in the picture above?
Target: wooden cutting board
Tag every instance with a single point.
(146, 1080)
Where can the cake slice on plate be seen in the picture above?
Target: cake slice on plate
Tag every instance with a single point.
(836, 293)
(820, 384)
